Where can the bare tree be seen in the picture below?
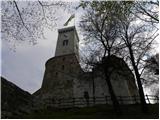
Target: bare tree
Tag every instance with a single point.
(153, 64)
(147, 11)
(150, 75)
(136, 37)
(26, 20)
(100, 25)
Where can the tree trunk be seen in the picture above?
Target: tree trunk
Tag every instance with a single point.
(113, 96)
(93, 87)
(110, 88)
(141, 92)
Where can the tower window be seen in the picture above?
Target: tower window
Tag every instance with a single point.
(56, 74)
(62, 67)
(65, 42)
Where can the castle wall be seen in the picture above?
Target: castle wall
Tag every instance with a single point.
(118, 82)
(64, 77)
(76, 44)
(101, 87)
(60, 75)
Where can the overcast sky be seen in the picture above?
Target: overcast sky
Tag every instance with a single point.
(25, 67)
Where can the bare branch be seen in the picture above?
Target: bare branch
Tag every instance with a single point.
(21, 16)
(147, 13)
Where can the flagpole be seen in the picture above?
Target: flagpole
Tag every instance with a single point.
(71, 17)
(74, 19)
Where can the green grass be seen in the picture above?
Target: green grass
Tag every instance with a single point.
(96, 112)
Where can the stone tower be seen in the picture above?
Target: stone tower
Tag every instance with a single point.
(63, 70)
(67, 42)
(64, 77)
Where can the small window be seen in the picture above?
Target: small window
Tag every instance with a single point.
(65, 42)
(63, 59)
(62, 67)
(56, 74)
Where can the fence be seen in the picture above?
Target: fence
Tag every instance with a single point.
(82, 102)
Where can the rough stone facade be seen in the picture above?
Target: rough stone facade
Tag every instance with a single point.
(64, 77)
(60, 76)
(121, 76)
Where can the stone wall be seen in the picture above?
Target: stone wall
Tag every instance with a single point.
(60, 76)
(64, 78)
(122, 79)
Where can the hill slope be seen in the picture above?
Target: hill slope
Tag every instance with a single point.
(14, 100)
(96, 112)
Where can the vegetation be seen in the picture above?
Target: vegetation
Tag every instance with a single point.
(150, 77)
(114, 26)
(26, 21)
(96, 112)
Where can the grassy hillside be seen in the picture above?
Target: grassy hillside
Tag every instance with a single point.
(17, 103)
(14, 100)
(99, 111)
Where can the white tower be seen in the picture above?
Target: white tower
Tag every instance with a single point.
(68, 42)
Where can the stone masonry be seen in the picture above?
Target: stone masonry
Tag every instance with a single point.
(64, 77)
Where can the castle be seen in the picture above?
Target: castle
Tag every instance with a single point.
(64, 77)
